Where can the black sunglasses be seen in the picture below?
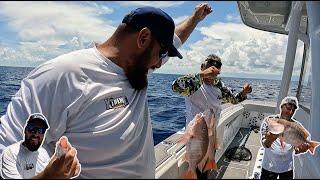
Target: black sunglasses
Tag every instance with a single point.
(214, 63)
(291, 107)
(35, 130)
(163, 51)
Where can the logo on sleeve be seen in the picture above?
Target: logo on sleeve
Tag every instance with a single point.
(117, 102)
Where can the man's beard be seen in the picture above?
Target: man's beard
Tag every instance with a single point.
(137, 73)
(31, 146)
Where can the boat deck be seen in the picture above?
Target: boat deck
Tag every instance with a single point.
(164, 149)
(243, 169)
(227, 169)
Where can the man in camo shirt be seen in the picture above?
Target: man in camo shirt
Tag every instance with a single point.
(205, 91)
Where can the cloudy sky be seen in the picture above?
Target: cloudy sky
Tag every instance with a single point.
(34, 32)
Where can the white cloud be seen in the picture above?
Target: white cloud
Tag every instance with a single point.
(55, 22)
(233, 18)
(100, 9)
(159, 4)
(179, 19)
(242, 49)
(48, 29)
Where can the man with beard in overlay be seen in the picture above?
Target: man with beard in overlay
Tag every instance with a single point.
(97, 97)
(27, 158)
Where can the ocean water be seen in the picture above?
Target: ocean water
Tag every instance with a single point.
(166, 107)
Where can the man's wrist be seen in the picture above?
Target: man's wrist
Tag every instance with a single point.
(194, 19)
(200, 75)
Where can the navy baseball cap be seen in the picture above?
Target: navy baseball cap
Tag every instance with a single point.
(38, 117)
(160, 24)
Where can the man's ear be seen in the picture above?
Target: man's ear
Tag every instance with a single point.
(144, 38)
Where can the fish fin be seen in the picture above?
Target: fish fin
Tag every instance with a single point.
(184, 138)
(189, 175)
(203, 162)
(305, 132)
(313, 146)
(211, 165)
(215, 146)
(210, 132)
(184, 157)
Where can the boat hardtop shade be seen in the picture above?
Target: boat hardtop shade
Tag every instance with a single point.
(271, 16)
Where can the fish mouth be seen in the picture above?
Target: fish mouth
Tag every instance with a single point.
(199, 119)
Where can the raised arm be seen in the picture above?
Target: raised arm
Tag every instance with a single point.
(185, 28)
(187, 85)
(228, 96)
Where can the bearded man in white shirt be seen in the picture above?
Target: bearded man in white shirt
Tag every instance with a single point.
(97, 97)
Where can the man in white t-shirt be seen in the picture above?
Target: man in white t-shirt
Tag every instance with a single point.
(97, 97)
(26, 158)
(278, 159)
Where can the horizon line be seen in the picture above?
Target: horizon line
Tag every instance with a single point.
(227, 76)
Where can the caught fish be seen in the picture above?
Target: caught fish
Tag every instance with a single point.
(291, 133)
(197, 141)
(209, 162)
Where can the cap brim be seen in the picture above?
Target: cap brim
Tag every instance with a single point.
(173, 52)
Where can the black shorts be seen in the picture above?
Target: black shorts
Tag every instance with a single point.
(265, 174)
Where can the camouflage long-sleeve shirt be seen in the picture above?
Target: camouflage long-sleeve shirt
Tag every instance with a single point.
(188, 84)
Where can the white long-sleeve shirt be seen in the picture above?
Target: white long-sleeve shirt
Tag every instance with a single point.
(89, 99)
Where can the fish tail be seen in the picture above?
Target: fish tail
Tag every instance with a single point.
(211, 165)
(189, 174)
(202, 163)
(313, 146)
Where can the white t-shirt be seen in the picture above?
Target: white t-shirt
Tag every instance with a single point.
(89, 99)
(206, 97)
(17, 162)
